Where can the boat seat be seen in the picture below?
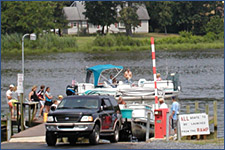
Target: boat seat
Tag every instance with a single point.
(107, 85)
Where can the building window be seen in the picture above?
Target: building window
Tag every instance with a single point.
(121, 25)
(74, 24)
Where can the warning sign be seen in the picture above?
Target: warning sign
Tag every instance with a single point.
(20, 83)
(194, 124)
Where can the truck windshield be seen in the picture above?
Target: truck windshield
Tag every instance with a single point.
(79, 103)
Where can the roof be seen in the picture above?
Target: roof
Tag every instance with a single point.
(142, 13)
(76, 12)
(97, 70)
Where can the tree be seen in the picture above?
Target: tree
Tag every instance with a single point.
(128, 16)
(215, 25)
(165, 15)
(59, 18)
(31, 16)
(101, 13)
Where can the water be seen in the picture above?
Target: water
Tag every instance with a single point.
(201, 73)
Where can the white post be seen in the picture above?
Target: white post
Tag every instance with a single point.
(154, 72)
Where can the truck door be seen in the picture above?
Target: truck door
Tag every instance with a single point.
(107, 114)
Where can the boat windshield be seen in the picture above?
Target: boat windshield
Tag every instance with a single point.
(73, 103)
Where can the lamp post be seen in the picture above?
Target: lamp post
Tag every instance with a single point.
(32, 37)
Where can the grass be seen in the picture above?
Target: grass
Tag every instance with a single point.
(88, 44)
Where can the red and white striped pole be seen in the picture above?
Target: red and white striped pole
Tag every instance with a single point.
(154, 71)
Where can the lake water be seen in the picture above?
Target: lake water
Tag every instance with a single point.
(201, 73)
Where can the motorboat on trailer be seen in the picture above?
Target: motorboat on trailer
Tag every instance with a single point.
(137, 90)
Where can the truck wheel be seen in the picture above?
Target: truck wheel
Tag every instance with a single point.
(115, 137)
(72, 140)
(50, 138)
(95, 135)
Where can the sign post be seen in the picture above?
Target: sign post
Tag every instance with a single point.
(20, 79)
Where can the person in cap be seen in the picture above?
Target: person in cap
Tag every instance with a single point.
(162, 103)
(60, 97)
(10, 100)
(174, 112)
(158, 77)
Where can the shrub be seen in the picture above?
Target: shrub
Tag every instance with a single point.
(185, 34)
(46, 41)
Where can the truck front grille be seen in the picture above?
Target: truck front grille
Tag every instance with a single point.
(67, 118)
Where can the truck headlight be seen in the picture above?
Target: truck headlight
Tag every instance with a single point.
(87, 118)
(50, 119)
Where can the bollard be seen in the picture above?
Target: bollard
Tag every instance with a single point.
(167, 126)
(178, 128)
(45, 117)
(147, 127)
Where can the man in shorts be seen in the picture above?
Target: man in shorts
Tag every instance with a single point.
(10, 100)
(128, 75)
(175, 111)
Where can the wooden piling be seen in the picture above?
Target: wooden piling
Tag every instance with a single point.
(22, 112)
(188, 109)
(9, 126)
(188, 112)
(196, 107)
(207, 112)
(215, 118)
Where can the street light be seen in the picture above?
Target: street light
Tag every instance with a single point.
(32, 37)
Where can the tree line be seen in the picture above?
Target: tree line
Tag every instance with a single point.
(197, 17)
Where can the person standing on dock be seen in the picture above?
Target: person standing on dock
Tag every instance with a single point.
(48, 99)
(175, 111)
(41, 96)
(33, 97)
(10, 100)
(128, 76)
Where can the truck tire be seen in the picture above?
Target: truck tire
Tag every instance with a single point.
(50, 138)
(72, 140)
(115, 137)
(95, 135)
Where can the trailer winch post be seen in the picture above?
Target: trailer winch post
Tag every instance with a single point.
(167, 126)
(147, 127)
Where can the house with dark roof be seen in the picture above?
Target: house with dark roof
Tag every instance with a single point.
(78, 22)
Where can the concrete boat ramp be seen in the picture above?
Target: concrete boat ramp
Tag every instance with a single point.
(33, 134)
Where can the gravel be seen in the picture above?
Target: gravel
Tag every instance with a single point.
(175, 145)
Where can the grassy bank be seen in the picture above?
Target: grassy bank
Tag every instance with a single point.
(11, 44)
(202, 142)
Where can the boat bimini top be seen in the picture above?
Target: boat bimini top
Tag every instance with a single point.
(98, 69)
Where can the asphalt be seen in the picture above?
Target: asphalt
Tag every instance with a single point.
(119, 145)
(34, 138)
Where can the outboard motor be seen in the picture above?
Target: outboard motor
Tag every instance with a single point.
(175, 79)
(71, 90)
